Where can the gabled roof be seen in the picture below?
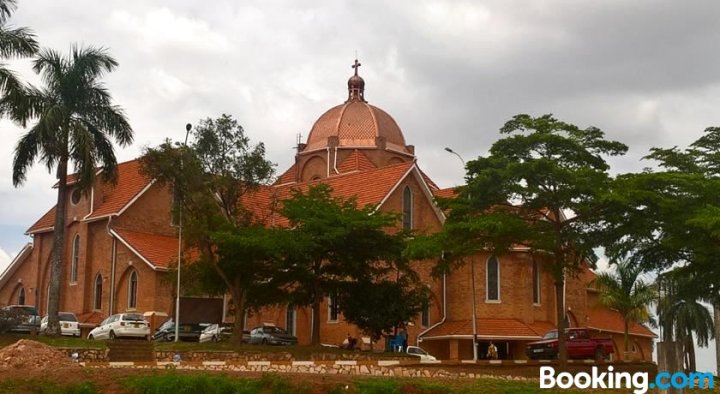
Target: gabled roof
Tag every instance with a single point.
(15, 263)
(353, 184)
(287, 176)
(357, 161)
(490, 329)
(44, 224)
(157, 251)
(131, 183)
(608, 320)
(445, 193)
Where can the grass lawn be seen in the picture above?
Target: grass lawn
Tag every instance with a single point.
(61, 341)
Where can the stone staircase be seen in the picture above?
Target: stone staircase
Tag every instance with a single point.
(130, 350)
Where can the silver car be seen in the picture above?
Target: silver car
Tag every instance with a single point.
(121, 325)
(68, 324)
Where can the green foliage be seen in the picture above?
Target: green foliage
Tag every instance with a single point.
(540, 188)
(14, 43)
(46, 387)
(210, 178)
(669, 216)
(332, 243)
(377, 307)
(625, 291)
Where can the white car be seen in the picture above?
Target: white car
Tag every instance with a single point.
(121, 325)
(418, 352)
(68, 324)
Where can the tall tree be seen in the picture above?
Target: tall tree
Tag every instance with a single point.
(538, 188)
(668, 217)
(333, 242)
(210, 178)
(14, 42)
(377, 307)
(682, 314)
(627, 292)
(75, 122)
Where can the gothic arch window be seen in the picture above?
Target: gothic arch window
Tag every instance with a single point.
(97, 300)
(407, 209)
(75, 259)
(492, 280)
(291, 319)
(536, 282)
(21, 296)
(132, 290)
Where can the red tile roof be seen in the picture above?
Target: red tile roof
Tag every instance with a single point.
(357, 161)
(343, 185)
(491, 328)
(45, 223)
(605, 319)
(130, 183)
(287, 176)
(160, 251)
(445, 193)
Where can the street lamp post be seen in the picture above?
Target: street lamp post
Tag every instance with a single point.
(472, 281)
(180, 228)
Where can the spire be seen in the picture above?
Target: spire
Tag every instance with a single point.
(356, 85)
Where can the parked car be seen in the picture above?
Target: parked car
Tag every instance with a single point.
(68, 324)
(271, 335)
(26, 316)
(580, 344)
(121, 325)
(188, 332)
(221, 332)
(420, 353)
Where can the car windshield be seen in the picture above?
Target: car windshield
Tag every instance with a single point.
(26, 310)
(133, 317)
(551, 335)
(67, 317)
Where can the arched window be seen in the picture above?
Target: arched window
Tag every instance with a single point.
(97, 304)
(290, 321)
(536, 282)
(492, 283)
(132, 290)
(75, 259)
(21, 296)
(407, 209)
(47, 299)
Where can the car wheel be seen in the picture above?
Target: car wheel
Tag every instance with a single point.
(214, 338)
(263, 342)
(92, 338)
(112, 335)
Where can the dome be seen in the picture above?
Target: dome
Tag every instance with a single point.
(356, 124)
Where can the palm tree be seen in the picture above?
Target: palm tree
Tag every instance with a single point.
(75, 118)
(625, 291)
(14, 42)
(683, 316)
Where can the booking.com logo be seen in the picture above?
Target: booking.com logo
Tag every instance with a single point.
(638, 381)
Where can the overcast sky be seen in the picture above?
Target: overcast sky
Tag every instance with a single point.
(450, 73)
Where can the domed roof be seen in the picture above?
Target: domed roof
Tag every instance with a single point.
(356, 123)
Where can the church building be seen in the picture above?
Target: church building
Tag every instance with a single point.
(120, 244)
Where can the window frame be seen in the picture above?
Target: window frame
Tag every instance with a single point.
(332, 308)
(407, 208)
(536, 283)
(487, 280)
(21, 296)
(132, 290)
(97, 298)
(75, 259)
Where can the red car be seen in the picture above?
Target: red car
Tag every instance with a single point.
(580, 344)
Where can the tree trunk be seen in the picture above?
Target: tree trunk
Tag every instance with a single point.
(562, 343)
(316, 317)
(716, 319)
(627, 336)
(690, 343)
(239, 325)
(58, 252)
